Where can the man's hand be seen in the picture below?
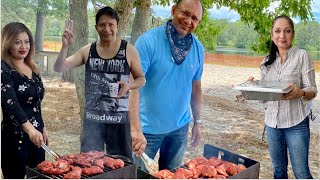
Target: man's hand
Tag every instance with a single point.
(68, 37)
(139, 142)
(195, 136)
(125, 87)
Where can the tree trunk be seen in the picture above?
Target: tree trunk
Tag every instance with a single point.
(123, 7)
(141, 19)
(39, 35)
(78, 13)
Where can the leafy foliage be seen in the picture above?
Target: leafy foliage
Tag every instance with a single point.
(26, 13)
(237, 34)
(308, 35)
(240, 35)
(207, 32)
(261, 13)
(252, 31)
(258, 13)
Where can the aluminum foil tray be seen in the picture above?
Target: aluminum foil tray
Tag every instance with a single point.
(263, 90)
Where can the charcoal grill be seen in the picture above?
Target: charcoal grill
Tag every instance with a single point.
(252, 171)
(127, 172)
(253, 167)
(144, 175)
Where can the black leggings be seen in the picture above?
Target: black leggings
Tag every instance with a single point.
(17, 152)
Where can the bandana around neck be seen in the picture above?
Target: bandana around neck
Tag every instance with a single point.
(180, 47)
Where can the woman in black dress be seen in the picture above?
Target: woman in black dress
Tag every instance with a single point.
(22, 127)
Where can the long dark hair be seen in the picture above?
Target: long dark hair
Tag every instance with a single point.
(8, 35)
(273, 49)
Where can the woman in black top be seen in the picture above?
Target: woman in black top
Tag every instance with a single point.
(22, 127)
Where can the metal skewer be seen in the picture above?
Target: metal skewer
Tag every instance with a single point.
(150, 164)
(50, 151)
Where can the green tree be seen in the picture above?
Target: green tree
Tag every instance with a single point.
(261, 13)
(208, 31)
(24, 14)
(141, 19)
(78, 12)
(123, 7)
(308, 35)
(39, 34)
(237, 34)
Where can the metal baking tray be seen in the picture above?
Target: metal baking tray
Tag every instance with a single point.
(263, 90)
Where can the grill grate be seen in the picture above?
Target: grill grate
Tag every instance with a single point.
(127, 172)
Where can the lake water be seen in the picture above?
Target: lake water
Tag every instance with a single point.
(315, 55)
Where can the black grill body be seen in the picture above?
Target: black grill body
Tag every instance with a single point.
(253, 167)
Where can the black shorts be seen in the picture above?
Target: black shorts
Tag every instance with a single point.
(115, 137)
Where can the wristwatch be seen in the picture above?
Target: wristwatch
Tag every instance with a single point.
(198, 121)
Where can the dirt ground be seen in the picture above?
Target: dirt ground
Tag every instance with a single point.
(231, 125)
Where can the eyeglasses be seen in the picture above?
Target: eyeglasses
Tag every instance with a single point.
(186, 14)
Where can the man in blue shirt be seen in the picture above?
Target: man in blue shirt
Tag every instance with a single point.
(172, 61)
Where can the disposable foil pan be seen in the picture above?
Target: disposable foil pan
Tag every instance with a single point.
(263, 90)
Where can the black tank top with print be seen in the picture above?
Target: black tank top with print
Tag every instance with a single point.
(99, 73)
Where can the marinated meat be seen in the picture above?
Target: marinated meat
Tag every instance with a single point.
(201, 160)
(222, 170)
(241, 167)
(75, 173)
(98, 162)
(197, 161)
(207, 171)
(196, 173)
(118, 163)
(192, 164)
(82, 161)
(85, 159)
(108, 162)
(164, 174)
(201, 167)
(93, 170)
(231, 168)
(182, 173)
(215, 162)
(61, 164)
(93, 162)
(54, 168)
(45, 165)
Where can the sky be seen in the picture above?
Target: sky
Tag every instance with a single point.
(226, 13)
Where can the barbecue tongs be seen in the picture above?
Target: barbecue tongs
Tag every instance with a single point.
(50, 151)
(150, 164)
